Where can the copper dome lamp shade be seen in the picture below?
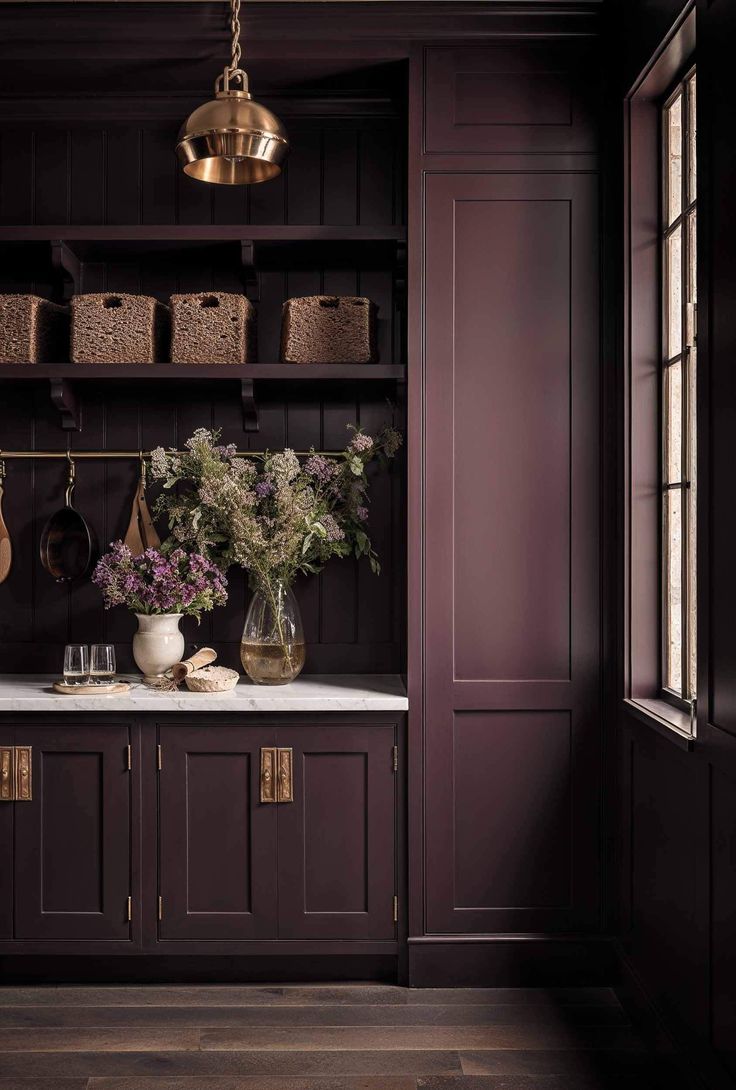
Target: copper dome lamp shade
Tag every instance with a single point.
(232, 140)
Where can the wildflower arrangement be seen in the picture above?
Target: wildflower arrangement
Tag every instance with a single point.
(275, 515)
(179, 582)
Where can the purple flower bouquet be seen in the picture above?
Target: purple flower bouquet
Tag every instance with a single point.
(152, 583)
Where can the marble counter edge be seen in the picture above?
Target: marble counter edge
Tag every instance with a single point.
(312, 693)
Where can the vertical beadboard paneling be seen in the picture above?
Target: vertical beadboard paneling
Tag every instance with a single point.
(126, 173)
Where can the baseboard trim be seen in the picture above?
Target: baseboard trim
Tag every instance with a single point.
(504, 961)
(193, 969)
(692, 1064)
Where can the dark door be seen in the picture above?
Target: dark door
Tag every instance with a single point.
(7, 810)
(72, 840)
(217, 840)
(337, 838)
(512, 553)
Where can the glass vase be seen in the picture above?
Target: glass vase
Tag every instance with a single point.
(272, 649)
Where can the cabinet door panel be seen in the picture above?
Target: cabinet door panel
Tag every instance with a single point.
(513, 725)
(218, 841)
(72, 841)
(337, 839)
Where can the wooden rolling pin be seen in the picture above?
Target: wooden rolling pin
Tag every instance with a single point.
(203, 657)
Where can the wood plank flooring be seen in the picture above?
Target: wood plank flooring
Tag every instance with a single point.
(329, 1037)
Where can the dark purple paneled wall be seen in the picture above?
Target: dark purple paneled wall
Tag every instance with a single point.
(343, 170)
(677, 831)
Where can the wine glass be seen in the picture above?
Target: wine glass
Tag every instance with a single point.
(102, 664)
(76, 664)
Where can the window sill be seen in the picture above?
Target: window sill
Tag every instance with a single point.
(662, 717)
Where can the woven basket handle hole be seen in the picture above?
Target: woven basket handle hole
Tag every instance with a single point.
(331, 302)
(112, 301)
(210, 301)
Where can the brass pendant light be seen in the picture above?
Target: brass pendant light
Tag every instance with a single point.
(232, 140)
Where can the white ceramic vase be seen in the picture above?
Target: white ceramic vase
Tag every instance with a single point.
(158, 643)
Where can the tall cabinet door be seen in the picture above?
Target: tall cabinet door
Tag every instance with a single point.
(337, 869)
(217, 839)
(512, 612)
(72, 839)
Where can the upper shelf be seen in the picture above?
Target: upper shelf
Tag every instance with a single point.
(271, 372)
(188, 233)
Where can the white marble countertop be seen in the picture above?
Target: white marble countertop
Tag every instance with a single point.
(309, 693)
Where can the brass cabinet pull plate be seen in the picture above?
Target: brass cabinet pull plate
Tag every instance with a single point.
(286, 775)
(268, 774)
(277, 777)
(16, 774)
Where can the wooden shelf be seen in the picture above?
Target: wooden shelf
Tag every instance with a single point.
(63, 378)
(186, 233)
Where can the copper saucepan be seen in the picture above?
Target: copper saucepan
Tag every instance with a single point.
(68, 543)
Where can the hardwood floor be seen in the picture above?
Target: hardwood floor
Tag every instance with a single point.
(358, 1037)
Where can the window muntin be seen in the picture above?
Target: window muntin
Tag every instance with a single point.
(679, 362)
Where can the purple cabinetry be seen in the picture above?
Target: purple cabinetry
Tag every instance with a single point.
(329, 851)
(512, 610)
(72, 839)
(217, 850)
(337, 857)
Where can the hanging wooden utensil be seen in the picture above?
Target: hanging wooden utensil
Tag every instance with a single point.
(6, 548)
(141, 533)
(68, 544)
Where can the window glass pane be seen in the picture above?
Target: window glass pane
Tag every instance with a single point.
(674, 157)
(673, 588)
(691, 157)
(673, 297)
(692, 526)
(673, 423)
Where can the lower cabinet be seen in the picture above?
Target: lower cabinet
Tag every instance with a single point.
(277, 832)
(72, 836)
(135, 836)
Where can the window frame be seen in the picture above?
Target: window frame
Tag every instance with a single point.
(686, 698)
(640, 664)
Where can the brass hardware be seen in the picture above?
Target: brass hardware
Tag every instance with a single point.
(130, 909)
(128, 757)
(395, 759)
(23, 774)
(396, 909)
(268, 774)
(160, 908)
(16, 774)
(285, 788)
(232, 140)
(159, 758)
(6, 774)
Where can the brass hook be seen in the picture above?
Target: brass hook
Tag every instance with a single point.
(71, 479)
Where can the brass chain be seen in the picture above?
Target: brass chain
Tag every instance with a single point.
(235, 27)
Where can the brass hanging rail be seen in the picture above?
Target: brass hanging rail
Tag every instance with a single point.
(78, 455)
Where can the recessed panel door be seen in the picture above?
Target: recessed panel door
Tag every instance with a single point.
(72, 839)
(217, 854)
(337, 838)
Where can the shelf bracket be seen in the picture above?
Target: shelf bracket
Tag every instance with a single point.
(66, 263)
(248, 263)
(250, 410)
(65, 400)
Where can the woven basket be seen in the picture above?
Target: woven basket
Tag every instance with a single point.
(32, 330)
(328, 329)
(212, 327)
(118, 328)
(212, 679)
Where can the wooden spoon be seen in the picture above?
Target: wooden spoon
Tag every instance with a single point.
(6, 548)
(141, 533)
(68, 544)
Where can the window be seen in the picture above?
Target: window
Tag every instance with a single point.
(678, 402)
